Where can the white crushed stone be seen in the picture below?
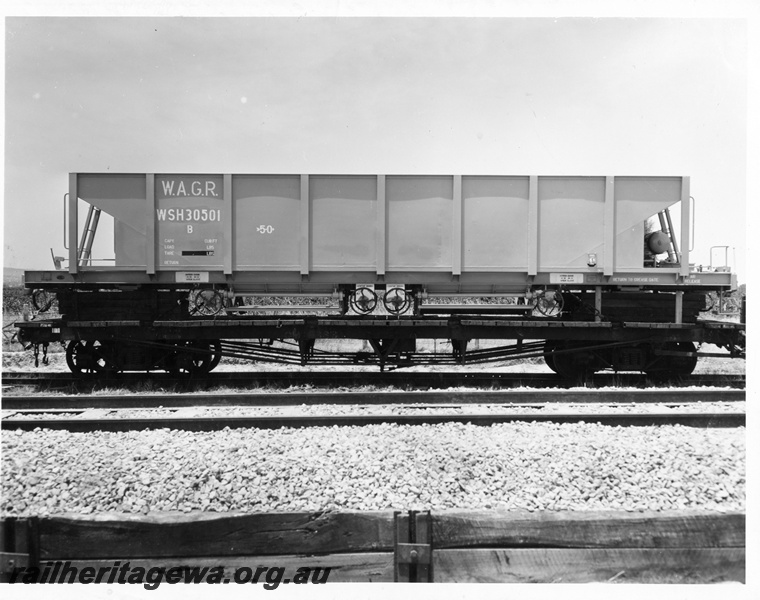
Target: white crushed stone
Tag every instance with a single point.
(533, 466)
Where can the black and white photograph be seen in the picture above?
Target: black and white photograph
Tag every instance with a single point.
(326, 299)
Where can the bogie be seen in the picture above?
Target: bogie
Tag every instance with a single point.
(111, 357)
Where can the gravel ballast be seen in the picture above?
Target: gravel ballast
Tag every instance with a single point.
(533, 466)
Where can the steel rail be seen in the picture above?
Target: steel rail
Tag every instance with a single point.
(217, 423)
(400, 378)
(502, 397)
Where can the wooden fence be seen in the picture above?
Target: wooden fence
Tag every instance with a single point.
(447, 546)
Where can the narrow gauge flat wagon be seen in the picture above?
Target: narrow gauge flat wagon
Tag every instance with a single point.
(592, 273)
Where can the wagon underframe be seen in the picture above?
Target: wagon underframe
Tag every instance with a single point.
(571, 348)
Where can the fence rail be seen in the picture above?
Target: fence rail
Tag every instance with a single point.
(385, 546)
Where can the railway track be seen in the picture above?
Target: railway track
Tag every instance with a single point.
(272, 411)
(400, 379)
(510, 397)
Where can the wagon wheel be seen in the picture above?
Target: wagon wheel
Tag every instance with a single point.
(207, 303)
(549, 358)
(575, 362)
(397, 301)
(550, 303)
(90, 357)
(363, 301)
(193, 358)
(663, 367)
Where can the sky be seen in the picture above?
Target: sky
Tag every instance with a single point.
(487, 93)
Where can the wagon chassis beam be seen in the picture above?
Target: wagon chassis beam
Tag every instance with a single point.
(306, 353)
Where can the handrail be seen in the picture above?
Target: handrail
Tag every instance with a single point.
(65, 241)
(725, 256)
(693, 223)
